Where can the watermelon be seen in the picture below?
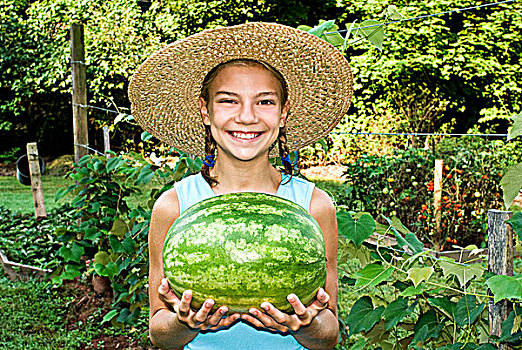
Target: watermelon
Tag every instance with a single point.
(242, 249)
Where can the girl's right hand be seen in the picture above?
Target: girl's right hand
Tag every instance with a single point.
(198, 320)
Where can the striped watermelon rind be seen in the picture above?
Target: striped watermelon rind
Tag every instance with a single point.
(242, 249)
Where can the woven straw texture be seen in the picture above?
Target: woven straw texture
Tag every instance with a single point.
(165, 89)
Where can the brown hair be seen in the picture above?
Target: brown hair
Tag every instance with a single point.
(210, 143)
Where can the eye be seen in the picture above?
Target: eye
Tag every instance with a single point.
(226, 100)
(267, 102)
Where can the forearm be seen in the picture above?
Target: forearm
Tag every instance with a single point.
(167, 332)
(322, 333)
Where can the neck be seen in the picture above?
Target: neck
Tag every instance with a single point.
(256, 175)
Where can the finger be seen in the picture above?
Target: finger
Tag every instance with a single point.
(322, 299)
(202, 314)
(267, 320)
(184, 304)
(216, 317)
(299, 308)
(253, 320)
(167, 294)
(275, 313)
(226, 321)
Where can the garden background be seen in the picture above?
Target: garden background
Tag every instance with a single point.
(456, 73)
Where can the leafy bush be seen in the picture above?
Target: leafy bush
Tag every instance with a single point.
(403, 297)
(401, 185)
(28, 240)
(111, 240)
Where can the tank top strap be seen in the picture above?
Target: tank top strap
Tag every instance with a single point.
(191, 190)
(297, 190)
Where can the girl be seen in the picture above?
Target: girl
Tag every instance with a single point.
(230, 95)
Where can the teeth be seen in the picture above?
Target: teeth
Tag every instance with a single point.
(245, 136)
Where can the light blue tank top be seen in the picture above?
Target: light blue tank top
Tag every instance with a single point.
(241, 335)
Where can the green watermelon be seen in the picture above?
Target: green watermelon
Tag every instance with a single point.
(242, 249)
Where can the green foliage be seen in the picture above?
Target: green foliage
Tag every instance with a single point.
(512, 180)
(401, 186)
(413, 300)
(111, 240)
(37, 316)
(32, 241)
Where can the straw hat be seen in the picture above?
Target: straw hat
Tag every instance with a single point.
(165, 89)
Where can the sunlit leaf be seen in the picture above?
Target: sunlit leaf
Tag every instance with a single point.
(393, 13)
(505, 287)
(516, 129)
(464, 273)
(322, 27)
(419, 274)
(373, 31)
(511, 183)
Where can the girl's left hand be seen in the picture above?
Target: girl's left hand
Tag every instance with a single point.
(278, 320)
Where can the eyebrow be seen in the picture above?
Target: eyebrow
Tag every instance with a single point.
(267, 93)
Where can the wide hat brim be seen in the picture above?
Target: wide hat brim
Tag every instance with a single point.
(165, 89)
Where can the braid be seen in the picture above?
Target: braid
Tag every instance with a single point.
(210, 149)
(283, 151)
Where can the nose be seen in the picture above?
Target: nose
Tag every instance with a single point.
(247, 114)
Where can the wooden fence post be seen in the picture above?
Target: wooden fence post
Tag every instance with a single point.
(79, 92)
(36, 180)
(437, 196)
(500, 261)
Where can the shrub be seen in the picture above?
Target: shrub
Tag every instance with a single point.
(401, 185)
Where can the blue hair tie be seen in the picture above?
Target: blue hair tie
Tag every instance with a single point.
(286, 160)
(209, 160)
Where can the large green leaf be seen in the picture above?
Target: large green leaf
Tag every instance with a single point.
(372, 275)
(396, 311)
(516, 129)
(419, 274)
(363, 316)
(511, 183)
(355, 231)
(516, 224)
(373, 31)
(464, 273)
(505, 287)
(322, 27)
(467, 310)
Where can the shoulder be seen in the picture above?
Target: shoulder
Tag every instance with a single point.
(164, 213)
(321, 204)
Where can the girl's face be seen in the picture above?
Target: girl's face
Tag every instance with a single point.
(244, 111)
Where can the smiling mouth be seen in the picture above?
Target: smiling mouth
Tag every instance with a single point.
(245, 135)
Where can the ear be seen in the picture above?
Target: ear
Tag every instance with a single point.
(284, 114)
(204, 111)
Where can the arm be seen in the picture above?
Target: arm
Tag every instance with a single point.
(171, 329)
(315, 326)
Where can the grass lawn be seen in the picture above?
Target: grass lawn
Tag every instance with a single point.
(19, 198)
